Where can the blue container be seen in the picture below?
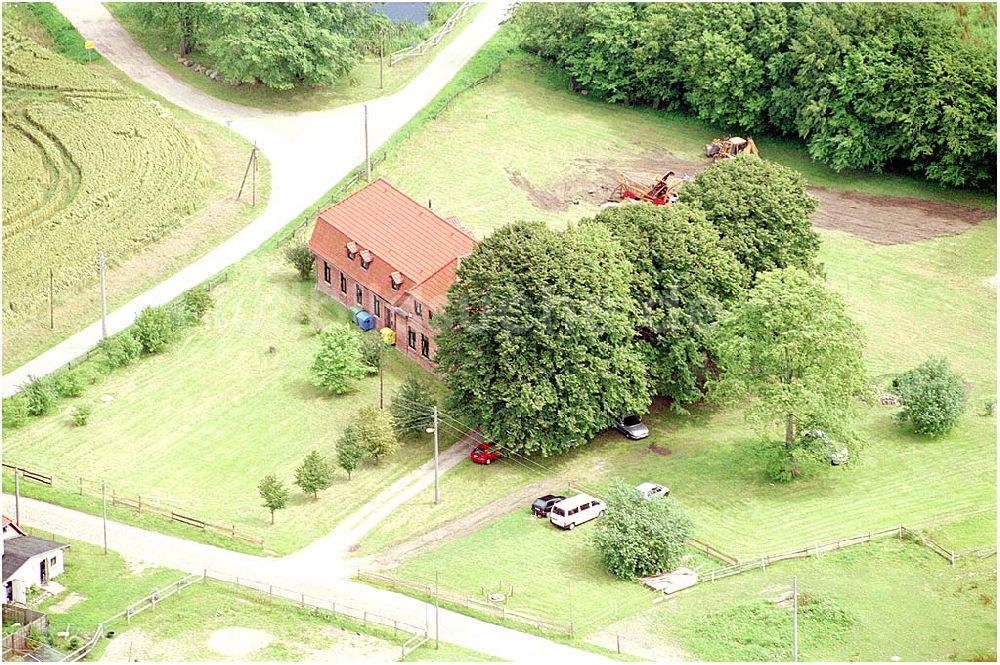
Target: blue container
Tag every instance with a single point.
(365, 320)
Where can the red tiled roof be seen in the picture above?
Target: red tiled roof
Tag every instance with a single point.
(433, 291)
(394, 228)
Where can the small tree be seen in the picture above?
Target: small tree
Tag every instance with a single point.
(377, 433)
(338, 359)
(302, 259)
(795, 352)
(274, 493)
(154, 328)
(372, 349)
(197, 302)
(41, 395)
(350, 450)
(411, 407)
(81, 416)
(314, 474)
(638, 536)
(933, 397)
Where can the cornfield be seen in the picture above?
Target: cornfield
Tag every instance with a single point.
(89, 167)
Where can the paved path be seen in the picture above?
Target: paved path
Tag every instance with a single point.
(309, 153)
(149, 548)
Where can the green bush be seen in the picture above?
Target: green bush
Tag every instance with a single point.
(121, 349)
(41, 395)
(155, 327)
(933, 397)
(69, 383)
(15, 411)
(302, 259)
(197, 302)
(639, 536)
(81, 416)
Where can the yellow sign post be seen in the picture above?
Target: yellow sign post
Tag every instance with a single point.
(89, 45)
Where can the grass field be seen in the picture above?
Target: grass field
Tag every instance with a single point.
(868, 603)
(98, 586)
(360, 85)
(913, 300)
(94, 163)
(199, 425)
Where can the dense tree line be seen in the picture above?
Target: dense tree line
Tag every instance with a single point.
(278, 44)
(866, 86)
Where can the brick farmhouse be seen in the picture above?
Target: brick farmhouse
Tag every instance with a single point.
(380, 250)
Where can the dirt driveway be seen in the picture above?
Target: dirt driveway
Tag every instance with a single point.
(885, 220)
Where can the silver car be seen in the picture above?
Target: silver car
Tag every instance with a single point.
(632, 427)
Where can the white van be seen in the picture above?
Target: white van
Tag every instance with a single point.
(576, 510)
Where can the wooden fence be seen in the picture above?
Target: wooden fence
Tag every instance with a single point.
(19, 642)
(713, 552)
(432, 41)
(495, 610)
(138, 503)
(416, 635)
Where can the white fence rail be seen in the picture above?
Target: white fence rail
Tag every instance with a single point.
(432, 41)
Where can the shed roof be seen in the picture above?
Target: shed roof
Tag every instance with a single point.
(16, 551)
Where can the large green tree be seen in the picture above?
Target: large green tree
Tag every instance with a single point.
(537, 344)
(760, 208)
(638, 536)
(338, 361)
(792, 352)
(682, 277)
(183, 22)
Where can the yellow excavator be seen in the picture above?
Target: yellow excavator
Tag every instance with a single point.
(730, 147)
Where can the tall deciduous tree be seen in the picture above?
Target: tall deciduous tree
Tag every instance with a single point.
(760, 208)
(184, 22)
(274, 493)
(537, 344)
(639, 536)
(338, 360)
(376, 433)
(682, 277)
(314, 474)
(793, 351)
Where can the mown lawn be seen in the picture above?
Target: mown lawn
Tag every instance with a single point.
(361, 84)
(199, 425)
(869, 603)
(912, 300)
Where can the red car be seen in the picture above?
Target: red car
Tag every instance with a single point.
(485, 453)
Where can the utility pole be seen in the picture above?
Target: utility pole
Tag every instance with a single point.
(368, 157)
(381, 55)
(52, 320)
(17, 496)
(251, 163)
(104, 514)
(253, 200)
(795, 619)
(381, 387)
(437, 616)
(437, 484)
(102, 266)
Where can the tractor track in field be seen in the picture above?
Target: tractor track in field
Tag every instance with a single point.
(883, 220)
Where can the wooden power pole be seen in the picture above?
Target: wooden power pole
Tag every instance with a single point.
(251, 164)
(102, 267)
(368, 157)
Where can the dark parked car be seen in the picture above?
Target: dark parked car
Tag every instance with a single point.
(485, 453)
(542, 506)
(632, 427)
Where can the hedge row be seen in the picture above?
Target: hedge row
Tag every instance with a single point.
(867, 86)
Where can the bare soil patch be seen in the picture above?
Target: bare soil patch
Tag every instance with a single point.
(132, 645)
(238, 642)
(466, 524)
(884, 220)
(69, 601)
(659, 450)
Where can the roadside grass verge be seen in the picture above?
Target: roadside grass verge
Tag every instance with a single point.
(64, 36)
(866, 603)
(199, 425)
(361, 84)
(174, 244)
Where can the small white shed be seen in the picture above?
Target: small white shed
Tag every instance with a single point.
(29, 561)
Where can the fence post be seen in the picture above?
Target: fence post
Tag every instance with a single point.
(81, 486)
(303, 599)
(951, 557)
(364, 618)
(140, 504)
(270, 593)
(113, 499)
(204, 576)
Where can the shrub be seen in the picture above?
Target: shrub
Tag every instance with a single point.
(638, 536)
(338, 359)
(41, 395)
(933, 397)
(121, 349)
(303, 260)
(155, 327)
(197, 302)
(69, 383)
(15, 411)
(989, 407)
(81, 416)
